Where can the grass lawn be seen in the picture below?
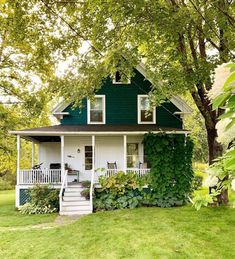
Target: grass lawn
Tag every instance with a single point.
(9, 217)
(138, 233)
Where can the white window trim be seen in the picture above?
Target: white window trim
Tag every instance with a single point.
(104, 110)
(139, 112)
(128, 82)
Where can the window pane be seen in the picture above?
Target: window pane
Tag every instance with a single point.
(132, 154)
(117, 76)
(97, 104)
(144, 103)
(88, 148)
(88, 158)
(96, 116)
(146, 115)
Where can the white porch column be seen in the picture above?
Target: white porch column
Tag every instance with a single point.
(18, 159)
(33, 152)
(93, 153)
(124, 153)
(62, 156)
(17, 190)
(92, 173)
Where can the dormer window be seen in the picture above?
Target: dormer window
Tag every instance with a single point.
(145, 115)
(119, 80)
(96, 110)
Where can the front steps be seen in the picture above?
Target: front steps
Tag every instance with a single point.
(73, 203)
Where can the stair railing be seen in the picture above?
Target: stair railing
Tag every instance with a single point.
(91, 189)
(63, 185)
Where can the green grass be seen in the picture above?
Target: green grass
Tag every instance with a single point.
(9, 217)
(139, 233)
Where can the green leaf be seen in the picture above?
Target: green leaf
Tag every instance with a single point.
(230, 153)
(230, 79)
(230, 164)
(231, 102)
(226, 115)
(220, 100)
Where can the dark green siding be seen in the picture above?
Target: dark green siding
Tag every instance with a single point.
(121, 105)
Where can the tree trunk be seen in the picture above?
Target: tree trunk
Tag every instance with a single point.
(214, 147)
(215, 151)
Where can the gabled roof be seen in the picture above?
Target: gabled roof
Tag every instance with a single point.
(176, 100)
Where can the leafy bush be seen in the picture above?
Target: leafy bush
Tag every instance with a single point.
(30, 208)
(197, 182)
(119, 191)
(171, 172)
(86, 193)
(5, 185)
(44, 196)
(86, 184)
(120, 182)
(43, 200)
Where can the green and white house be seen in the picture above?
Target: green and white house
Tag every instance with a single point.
(106, 133)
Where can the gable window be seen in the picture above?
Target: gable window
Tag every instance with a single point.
(119, 80)
(96, 110)
(145, 115)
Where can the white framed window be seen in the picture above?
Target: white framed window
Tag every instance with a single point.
(132, 155)
(96, 110)
(118, 79)
(145, 115)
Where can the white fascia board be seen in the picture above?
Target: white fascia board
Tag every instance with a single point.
(77, 133)
(181, 105)
(60, 107)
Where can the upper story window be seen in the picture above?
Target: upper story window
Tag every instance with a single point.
(96, 110)
(119, 80)
(145, 115)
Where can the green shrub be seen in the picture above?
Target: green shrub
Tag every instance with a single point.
(86, 184)
(44, 196)
(43, 199)
(30, 208)
(171, 172)
(120, 182)
(86, 193)
(5, 185)
(119, 191)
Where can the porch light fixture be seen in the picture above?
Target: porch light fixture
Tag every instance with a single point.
(78, 150)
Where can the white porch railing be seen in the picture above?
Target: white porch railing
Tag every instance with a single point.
(39, 176)
(139, 172)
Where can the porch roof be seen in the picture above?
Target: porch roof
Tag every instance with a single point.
(52, 133)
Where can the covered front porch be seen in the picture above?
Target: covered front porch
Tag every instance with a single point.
(79, 157)
(72, 154)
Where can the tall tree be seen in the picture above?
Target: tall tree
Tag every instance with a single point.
(181, 42)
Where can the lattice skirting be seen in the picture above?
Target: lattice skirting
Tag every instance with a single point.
(24, 196)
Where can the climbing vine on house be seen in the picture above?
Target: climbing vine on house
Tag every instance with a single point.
(171, 172)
